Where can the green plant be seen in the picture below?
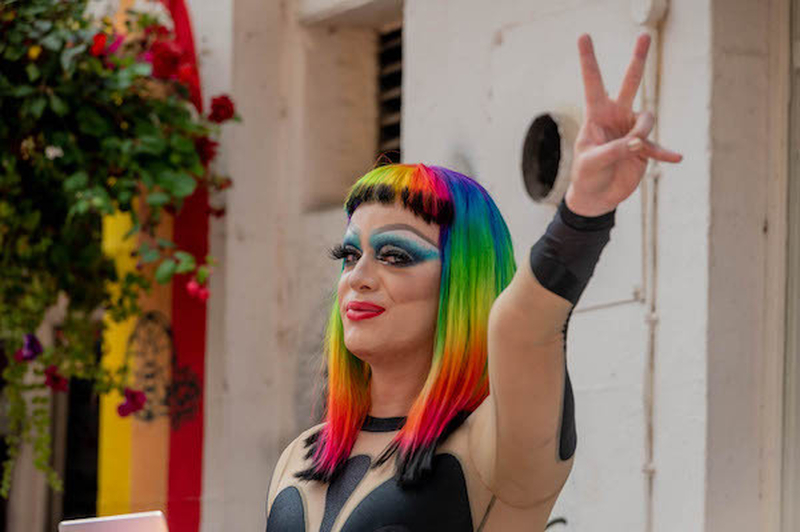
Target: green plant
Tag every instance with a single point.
(92, 123)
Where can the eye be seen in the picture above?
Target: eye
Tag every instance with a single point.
(340, 252)
(396, 256)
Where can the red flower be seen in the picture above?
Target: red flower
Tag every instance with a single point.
(54, 380)
(99, 43)
(159, 29)
(206, 149)
(166, 58)
(134, 401)
(221, 109)
(186, 74)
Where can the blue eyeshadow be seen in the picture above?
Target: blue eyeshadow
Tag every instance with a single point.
(418, 252)
(351, 238)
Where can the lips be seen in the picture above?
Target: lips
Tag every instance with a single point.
(361, 310)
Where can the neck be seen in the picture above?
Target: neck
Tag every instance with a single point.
(395, 386)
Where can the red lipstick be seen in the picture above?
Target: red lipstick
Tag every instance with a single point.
(361, 310)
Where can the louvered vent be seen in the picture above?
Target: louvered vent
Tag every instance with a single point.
(390, 58)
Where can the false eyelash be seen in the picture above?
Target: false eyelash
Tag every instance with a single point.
(339, 252)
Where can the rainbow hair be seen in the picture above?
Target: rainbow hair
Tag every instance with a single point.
(477, 264)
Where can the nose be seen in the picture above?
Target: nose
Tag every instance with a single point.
(362, 276)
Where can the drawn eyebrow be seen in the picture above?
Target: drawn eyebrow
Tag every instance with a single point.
(405, 227)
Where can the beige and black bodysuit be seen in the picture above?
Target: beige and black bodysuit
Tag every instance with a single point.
(503, 467)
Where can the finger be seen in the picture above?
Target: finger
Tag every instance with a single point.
(623, 147)
(643, 126)
(593, 88)
(655, 151)
(605, 155)
(633, 75)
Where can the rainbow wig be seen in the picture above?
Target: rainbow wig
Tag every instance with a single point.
(477, 264)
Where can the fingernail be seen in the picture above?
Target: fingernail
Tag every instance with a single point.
(635, 144)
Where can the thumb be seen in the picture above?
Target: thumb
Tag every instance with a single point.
(617, 149)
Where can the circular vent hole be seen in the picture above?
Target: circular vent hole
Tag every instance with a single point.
(541, 156)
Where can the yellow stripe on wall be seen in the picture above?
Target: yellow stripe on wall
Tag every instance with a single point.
(114, 439)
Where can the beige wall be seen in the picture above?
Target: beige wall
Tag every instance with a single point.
(475, 74)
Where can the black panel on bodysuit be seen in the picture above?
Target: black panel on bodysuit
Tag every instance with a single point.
(286, 514)
(441, 504)
(342, 487)
(568, 440)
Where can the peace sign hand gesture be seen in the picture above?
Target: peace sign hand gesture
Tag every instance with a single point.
(611, 150)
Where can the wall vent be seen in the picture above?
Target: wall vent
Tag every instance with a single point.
(390, 77)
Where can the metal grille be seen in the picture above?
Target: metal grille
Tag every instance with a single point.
(390, 63)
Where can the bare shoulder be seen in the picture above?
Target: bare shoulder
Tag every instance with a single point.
(293, 453)
(296, 448)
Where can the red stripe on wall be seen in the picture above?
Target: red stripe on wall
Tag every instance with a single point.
(189, 329)
(189, 335)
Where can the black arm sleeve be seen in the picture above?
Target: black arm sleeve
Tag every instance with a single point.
(563, 261)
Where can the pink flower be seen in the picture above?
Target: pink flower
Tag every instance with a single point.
(192, 287)
(203, 293)
(54, 380)
(134, 401)
(222, 109)
(118, 39)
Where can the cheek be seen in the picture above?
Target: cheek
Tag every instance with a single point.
(417, 294)
(341, 290)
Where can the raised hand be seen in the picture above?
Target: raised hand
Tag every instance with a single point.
(611, 150)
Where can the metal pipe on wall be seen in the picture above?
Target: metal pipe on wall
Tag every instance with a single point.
(650, 14)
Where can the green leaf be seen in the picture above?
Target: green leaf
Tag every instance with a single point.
(33, 71)
(148, 254)
(147, 178)
(186, 262)
(76, 181)
(42, 25)
(51, 42)
(91, 122)
(142, 69)
(69, 54)
(58, 105)
(202, 274)
(157, 199)
(182, 144)
(165, 243)
(20, 91)
(37, 106)
(183, 185)
(125, 196)
(165, 271)
(152, 144)
(13, 53)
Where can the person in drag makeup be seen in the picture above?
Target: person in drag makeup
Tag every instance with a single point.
(448, 403)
